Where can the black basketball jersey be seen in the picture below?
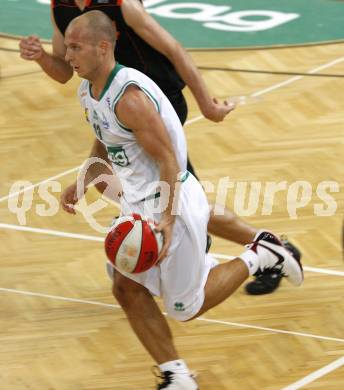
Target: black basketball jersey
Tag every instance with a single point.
(131, 50)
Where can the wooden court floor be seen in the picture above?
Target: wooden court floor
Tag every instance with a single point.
(61, 329)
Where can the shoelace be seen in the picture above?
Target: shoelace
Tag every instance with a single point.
(163, 379)
(277, 269)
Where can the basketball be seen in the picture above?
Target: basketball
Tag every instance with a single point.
(132, 244)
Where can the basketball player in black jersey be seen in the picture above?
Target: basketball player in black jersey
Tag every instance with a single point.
(144, 45)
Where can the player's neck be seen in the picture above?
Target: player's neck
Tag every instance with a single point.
(101, 78)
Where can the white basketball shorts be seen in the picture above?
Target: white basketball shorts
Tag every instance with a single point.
(180, 278)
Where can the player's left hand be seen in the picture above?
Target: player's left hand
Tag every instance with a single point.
(31, 48)
(165, 227)
(216, 111)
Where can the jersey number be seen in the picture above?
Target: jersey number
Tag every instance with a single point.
(118, 156)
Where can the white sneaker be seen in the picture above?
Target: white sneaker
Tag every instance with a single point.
(274, 256)
(177, 381)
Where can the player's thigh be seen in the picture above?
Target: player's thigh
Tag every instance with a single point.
(184, 275)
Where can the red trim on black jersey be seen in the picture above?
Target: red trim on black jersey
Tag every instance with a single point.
(88, 4)
(64, 4)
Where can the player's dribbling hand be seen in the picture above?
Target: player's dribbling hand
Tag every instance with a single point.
(216, 111)
(69, 198)
(165, 227)
(31, 48)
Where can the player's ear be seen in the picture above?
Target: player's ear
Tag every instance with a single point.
(104, 46)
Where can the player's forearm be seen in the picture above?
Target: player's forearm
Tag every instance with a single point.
(55, 67)
(96, 164)
(169, 171)
(193, 79)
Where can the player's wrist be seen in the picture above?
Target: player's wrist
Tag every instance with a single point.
(208, 110)
(42, 56)
(168, 217)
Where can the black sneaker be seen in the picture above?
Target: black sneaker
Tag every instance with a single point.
(175, 381)
(265, 282)
(268, 280)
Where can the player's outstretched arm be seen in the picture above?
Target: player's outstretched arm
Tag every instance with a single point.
(53, 64)
(137, 112)
(150, 31)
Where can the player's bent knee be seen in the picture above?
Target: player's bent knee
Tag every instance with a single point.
(228, 216)
(126, 291)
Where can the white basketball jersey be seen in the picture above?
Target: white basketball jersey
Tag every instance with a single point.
(137, 171)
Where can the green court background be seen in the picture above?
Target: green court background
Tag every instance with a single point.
(318, 21)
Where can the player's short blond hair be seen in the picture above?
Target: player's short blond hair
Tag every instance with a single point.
(98, 25)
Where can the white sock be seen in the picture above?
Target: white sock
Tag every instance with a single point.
(177, 366)
(251, 260)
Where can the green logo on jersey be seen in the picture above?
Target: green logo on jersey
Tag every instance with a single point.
(179, 306)
(118, 156)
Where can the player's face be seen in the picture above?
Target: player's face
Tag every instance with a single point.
(81, 54)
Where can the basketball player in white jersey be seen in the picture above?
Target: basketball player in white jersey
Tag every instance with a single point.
(135, 122)
(144, 45)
